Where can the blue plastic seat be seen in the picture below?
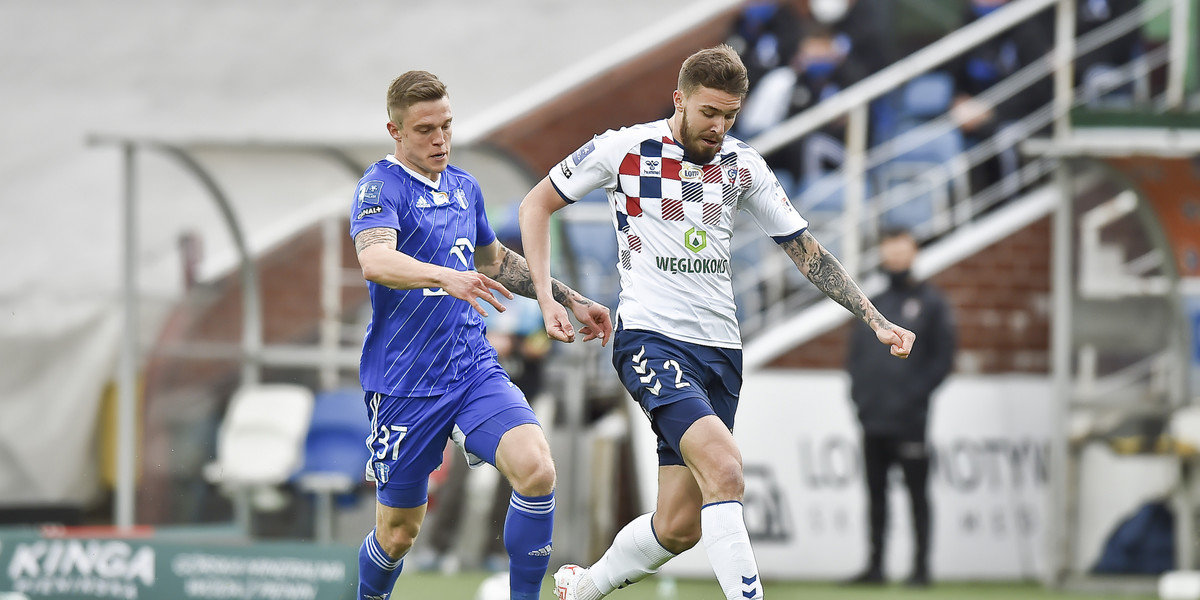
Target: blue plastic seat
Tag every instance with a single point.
(335, 453)
(919, 184)
(925, 97)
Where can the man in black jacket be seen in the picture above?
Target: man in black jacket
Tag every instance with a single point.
(892, 398)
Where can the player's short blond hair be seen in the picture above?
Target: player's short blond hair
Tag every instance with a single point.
(411, 88)
(718, 68)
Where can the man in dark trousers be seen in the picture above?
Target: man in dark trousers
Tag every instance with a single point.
(892, 398)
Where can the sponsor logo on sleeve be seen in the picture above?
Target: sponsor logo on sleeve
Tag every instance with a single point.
(583, 152)
(369, 192)
(368, 211)
(566, 169)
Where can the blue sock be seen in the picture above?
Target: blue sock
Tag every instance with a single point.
(528, 531)
(376, 570)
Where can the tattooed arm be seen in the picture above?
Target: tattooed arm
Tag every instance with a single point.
(825, 272)
(534, 216)
(511, 270)
(381, 263)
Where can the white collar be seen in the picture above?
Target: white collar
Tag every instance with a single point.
(433, 183)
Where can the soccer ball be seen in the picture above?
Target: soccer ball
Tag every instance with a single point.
(495, 587)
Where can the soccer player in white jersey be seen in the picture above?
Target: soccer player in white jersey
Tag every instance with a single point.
(674, 187)
(428, 371)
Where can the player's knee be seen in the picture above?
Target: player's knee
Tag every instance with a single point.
(398, 538)
(677, 533)
(723, 480)
(536, 479)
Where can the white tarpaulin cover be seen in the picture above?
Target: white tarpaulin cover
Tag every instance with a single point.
(215, 69)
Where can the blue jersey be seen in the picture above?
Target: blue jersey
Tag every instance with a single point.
(419, 342)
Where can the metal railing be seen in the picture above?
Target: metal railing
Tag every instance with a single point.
(771, 290)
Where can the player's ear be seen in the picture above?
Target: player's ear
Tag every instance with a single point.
(677, 96)
(393, 130)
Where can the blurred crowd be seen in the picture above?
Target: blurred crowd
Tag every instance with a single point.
(800, 52)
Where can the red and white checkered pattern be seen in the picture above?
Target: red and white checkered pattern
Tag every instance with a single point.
(674, 220)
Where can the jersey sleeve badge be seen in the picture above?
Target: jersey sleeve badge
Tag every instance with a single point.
(369, 192)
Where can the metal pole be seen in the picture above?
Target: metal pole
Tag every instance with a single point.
(1058, 532)
(127, 377)
(1064, 68)
(331, 300)
(1177, 69)
(856, 190)
(252, 319)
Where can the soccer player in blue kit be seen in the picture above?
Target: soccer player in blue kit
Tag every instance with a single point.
(431, 260)
(675, 187)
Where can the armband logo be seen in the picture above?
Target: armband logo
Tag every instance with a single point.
(369, 192)
(583, 152)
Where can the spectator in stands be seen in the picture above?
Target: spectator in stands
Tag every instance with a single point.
(840, 43)
(1093, 69)
(977, 71)
(892, 399)
(765, 34)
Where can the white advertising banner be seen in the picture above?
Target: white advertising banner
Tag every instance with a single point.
(805, 500)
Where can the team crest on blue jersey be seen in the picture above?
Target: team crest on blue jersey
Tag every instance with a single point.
(461, 196)
(369, 192)
(583, 152)
(382, 472)
(440, 198)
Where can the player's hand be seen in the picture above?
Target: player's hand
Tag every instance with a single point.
(473, 285)
(558, 323)
(900, 339)
(595, 318)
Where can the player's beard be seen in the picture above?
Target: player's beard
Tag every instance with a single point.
(696, 150)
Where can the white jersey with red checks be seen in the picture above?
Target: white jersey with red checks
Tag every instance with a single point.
(674, 219)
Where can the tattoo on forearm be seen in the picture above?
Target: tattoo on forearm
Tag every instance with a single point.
(514, 274)
(375, 235)
(825, 272)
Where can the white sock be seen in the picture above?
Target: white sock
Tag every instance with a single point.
(634, 555)
(723, 532)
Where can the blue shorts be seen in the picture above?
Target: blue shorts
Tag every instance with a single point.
(677, 383)
(409, 434)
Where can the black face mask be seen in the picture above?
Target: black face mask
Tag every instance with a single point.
(899, 279)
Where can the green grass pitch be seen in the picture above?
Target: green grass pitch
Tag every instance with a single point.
(462, 587)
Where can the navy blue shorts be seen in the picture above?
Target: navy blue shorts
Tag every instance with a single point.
(409, 434)
(676, 383)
